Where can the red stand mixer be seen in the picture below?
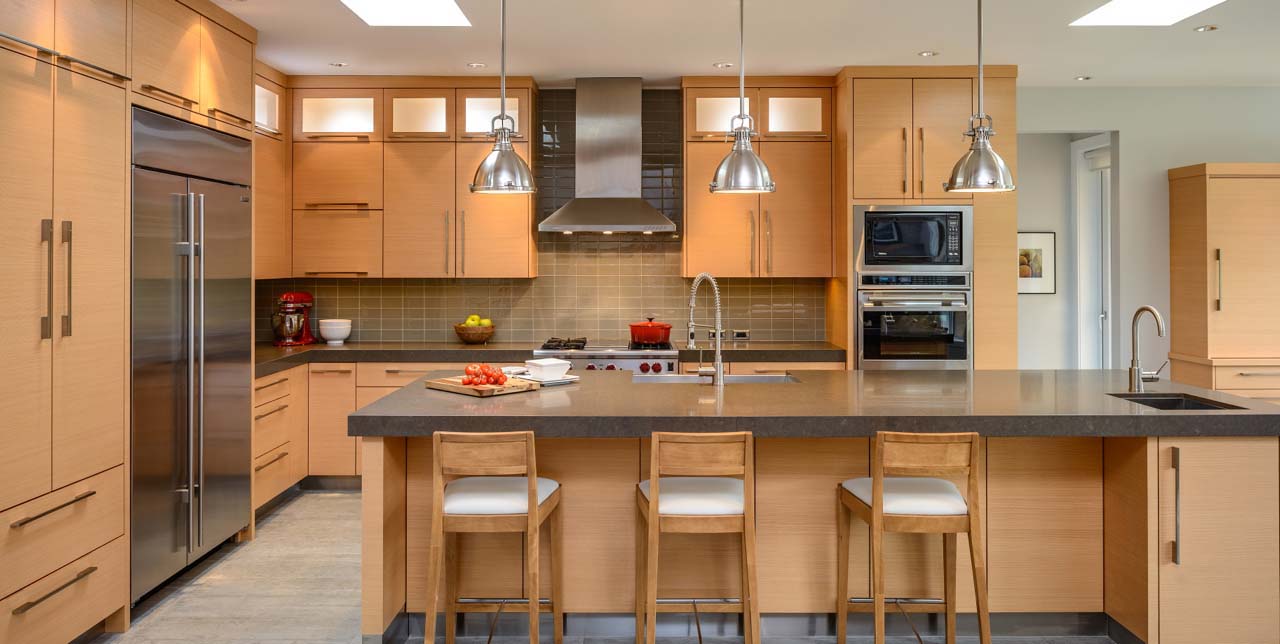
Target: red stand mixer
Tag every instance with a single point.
(292, 319)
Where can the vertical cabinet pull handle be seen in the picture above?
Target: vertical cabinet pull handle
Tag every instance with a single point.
(922, 166)
(446, 241)
(1217, 304)
(462, 242)
(751, 248)
(1177, 505)
(768, 238)
(906, 159)
(66, 317)
(36, 602)
(46, 321)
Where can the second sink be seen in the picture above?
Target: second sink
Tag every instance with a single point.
(1175, 401)
(729, 379)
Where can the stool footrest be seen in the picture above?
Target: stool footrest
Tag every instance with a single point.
(492, 604)
(907, 604)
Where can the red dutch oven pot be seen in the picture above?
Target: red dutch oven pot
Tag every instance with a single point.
(650, 332)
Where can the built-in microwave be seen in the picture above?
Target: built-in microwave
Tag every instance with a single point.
(913, 238)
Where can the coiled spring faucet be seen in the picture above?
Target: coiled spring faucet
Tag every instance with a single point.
(717, 372)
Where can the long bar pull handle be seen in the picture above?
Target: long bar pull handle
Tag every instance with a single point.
(40, 48)
(922, 165)
(84, 63)
(335, 272)
(191, 372)
(1249, 374)
(751, 247)
(330, 371)
(321, 204)
(462, 242)
(906, 159)
(395, 371)
(36, 602)
(273, 411)
(202, 253)
(768, 239)
(270, 384)
(46, 321)
(78, 498)
(235, 117)
(66, 239)
(1217, 304)
(446, 241)
(259, 468)
(1177, 505)
(161, 90)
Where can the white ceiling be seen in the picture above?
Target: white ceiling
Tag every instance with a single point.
(661, 40)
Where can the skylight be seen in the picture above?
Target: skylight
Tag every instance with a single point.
(409, 13)
(1144, 13)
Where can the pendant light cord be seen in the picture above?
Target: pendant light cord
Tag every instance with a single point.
(981, 113)
(742, 66)
(502, 68)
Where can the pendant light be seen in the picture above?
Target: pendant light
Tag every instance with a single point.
(980, 169)
(742, 171)
(503, 171)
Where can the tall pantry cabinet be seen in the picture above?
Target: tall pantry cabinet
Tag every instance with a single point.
(63, 252)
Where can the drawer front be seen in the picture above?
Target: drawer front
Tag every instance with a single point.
(782, 367)
(272, 387)
(271, 425)
(1266, 395)
(272, 474)
(68, 602)
(398, 374)
(1247, 377)
(44, 534)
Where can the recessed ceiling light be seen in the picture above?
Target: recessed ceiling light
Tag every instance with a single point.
(409, 13)
(722, 65)
(1084, 78)
(1144, 13)
(1204, 28)
(339, 64)
(927, 54)
(476, 65)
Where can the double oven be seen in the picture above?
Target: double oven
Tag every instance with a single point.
(914, 270)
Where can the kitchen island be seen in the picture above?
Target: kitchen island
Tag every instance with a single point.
(1080, 489)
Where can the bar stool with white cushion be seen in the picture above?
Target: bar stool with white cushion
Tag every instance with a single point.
(917, 502)
(705, 483)
(489, 483)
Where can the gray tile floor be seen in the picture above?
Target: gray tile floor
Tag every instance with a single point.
(299, 581)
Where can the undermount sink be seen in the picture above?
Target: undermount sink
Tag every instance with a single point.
(729, 379)
(1175, 401)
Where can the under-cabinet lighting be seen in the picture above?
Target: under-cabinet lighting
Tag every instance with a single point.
(1144, 13)
(409, 13)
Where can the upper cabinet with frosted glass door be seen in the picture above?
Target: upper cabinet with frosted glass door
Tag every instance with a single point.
(795, 114)
(419, 114)
(708, 111)
(337, 115)
(477, 108)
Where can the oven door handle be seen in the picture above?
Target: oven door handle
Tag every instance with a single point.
(922, 307)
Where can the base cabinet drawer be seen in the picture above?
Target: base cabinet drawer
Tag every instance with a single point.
(738, 368)
(272, 423)
(1265, 395)
(269, 388)
(1246, 377)
(61, 606)
(272, 474)
(43, 534)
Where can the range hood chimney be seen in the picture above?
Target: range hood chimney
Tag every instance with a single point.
(607, 164)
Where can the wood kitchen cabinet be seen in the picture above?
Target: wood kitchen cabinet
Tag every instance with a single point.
(795, 113)
(226, 74)
(337, 243)
(1219, 544)
(420, 221)
(337, 175)
(83, 32)
(477, 108)
(782, 234)
(494, 232)
(907, 135)
(709, 112)
(419, 114)
(30, 20)
(337, 114)
(332, 396)
(272, 215)
(166, 52)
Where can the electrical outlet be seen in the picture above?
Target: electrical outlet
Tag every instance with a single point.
(741, 334)
(711, 334)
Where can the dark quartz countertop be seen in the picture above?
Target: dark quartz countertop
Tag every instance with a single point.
(271, 359)
(822, 404)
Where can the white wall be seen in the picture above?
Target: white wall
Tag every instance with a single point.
(1159, 128)
(1046, 323)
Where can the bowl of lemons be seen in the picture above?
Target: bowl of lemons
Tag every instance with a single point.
(474, 330)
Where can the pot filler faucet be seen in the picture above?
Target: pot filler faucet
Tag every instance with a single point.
(1136, 375)
(716, 372)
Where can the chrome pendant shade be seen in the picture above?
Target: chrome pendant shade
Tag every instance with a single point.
(503, 171)
(742, 171)
(980, 169)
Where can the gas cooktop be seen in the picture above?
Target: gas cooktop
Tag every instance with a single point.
(644, 358)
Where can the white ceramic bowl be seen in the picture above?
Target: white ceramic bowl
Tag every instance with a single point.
(335, 331)
(548, 368)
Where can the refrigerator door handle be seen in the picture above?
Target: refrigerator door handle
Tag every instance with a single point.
(191, 371)
(200, 253)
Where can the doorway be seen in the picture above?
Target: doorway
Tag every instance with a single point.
(1091, 190)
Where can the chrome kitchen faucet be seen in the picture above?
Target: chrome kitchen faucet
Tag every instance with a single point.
(717, 372)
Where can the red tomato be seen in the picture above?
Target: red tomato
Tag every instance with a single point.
(502, 379)
(466, 380)
(473, 369)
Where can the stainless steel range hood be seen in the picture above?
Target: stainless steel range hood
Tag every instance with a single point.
(607, 164)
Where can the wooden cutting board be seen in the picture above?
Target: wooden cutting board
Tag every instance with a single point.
(454, 385)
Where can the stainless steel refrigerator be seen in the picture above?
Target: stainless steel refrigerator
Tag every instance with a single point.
(192, 344)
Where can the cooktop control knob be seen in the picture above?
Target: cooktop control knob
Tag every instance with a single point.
(644, 367)
(657, 367)
(611, 367)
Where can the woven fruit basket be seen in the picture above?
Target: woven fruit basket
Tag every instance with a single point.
(473, 334)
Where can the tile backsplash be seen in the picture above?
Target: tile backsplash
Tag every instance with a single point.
(589, 285)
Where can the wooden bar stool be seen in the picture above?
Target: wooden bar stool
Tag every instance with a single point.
(700, 483)
(899, 496)
(490, 483)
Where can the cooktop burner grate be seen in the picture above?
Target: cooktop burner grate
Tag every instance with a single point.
(562, 344)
